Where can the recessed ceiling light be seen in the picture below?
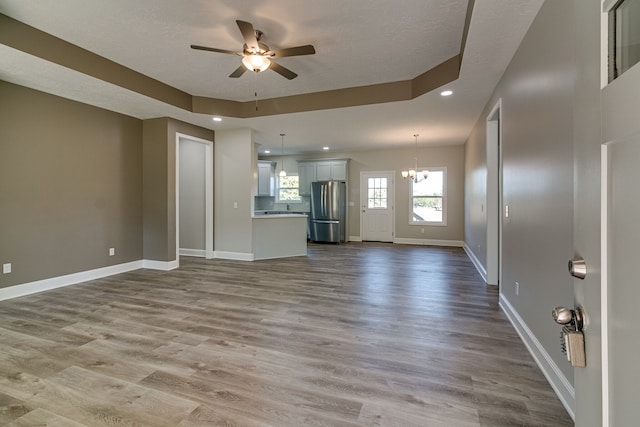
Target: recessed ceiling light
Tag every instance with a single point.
(325, 148)
(446, 93)
(217, 119)
(267, 151)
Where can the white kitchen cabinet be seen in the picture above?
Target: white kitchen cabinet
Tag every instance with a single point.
(266, 178)
(331, 170)
(321, 170)
(339, 170)
(306, 175)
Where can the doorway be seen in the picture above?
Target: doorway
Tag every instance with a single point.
(204, 206)
(494, 195)
(377, 206)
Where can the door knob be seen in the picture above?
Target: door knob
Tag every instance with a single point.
(571, 337)
(562, 315)
(566, 316)
(577, 267)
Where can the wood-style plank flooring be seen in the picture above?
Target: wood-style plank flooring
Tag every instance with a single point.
(360, 334)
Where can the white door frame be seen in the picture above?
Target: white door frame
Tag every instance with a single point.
(391, 199)
(208, 198)
(494, 195)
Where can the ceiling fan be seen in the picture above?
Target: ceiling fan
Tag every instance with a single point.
(257, 56)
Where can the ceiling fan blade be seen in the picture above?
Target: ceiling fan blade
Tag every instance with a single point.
(238, 72)
(295, 51)
(248, 34)
(285, 72)
(213, 49)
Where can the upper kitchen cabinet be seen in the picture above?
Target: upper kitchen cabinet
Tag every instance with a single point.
(320, 170)
(306, 175)
(266, 178)
(332, 170)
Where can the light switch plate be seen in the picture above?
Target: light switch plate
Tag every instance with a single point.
(112, 251)
(6, 268)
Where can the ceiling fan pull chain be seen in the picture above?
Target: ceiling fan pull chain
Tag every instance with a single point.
(255, 88)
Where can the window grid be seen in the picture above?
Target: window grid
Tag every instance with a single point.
(377, 195)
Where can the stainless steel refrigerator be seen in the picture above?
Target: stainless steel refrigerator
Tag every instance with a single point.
(328, 211)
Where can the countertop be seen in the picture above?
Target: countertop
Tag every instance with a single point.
(275, 216)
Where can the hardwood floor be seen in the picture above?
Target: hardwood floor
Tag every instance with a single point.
(360, 334)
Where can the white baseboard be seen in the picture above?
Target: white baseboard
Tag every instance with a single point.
(160, 265)
(476, 262)
(563, 388)
(428, 242)
(66, 280)
(238, 256)
(355, 239)
(200, 253)
(280, 256)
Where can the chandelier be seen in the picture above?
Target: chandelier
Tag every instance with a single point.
(413, 174)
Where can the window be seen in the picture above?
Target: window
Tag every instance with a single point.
(288, 189)
(429, 199)
(624, 36)
(377, 193)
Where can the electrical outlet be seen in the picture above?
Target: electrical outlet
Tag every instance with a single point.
(517, 288)
(422, 230)
(235, 205)
(6, 268)
(506, 211)
(112, 251)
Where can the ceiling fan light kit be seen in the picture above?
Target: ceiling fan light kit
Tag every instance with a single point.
(256, 63)
(257, 56)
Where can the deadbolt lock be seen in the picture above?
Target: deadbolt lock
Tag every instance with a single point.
(578, 268)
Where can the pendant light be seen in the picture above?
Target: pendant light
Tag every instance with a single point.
(413, 174)
(282, 171)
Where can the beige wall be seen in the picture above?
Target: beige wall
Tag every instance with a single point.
(537, 92)
(70, 186)
(451, 157)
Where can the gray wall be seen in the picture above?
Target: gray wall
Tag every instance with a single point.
(70, 185)
(451, 157)
(192, 195)
(235, 183)
(537, 110)
(159, 181)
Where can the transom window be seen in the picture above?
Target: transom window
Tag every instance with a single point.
(288, 189)
(428, 199)
(377, 193)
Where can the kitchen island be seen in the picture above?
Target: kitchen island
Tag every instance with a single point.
(279, 236)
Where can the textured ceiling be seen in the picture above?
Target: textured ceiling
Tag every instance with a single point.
(357, 42)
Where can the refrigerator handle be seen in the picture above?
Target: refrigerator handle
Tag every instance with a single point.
(324, 200)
